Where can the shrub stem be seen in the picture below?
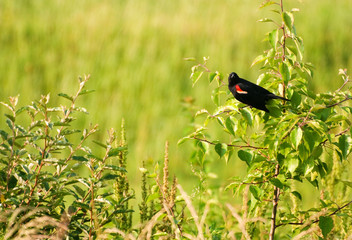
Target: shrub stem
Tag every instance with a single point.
(275, 204)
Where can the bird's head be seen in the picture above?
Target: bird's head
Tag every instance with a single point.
(233, 79)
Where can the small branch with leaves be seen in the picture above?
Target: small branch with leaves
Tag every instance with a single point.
(229, 145)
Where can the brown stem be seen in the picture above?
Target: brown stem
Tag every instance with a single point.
(91, 211)
(347, 79)
(275, 205)
(336, 135)
(335, 104)
(44, 151)
(36, 182)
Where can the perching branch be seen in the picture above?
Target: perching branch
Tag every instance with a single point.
(317, 220)
(229, 145)
(338, 103)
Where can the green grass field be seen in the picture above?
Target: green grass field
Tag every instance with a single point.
(134, 52)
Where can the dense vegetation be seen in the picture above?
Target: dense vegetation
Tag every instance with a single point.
(52, 172)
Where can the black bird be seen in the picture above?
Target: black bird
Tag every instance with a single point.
(250, 93)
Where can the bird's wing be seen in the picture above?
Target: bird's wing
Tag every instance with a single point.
(241, 88)
(249, 87)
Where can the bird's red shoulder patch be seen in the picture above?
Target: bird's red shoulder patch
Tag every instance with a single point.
(239, 90)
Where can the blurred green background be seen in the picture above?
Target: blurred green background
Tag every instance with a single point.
(134, 52)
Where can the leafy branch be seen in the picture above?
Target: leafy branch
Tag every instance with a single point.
(317, 220)
(229, 145)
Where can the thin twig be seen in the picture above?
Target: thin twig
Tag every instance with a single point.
(261, 182)
(229, 145)
(317, 220)
(168, 209)
(241, 222)
(192, 211)
(346, 80)
(338, 103)
(336, 135)
(304, 233)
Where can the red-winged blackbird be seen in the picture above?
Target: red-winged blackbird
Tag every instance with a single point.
(250, 93)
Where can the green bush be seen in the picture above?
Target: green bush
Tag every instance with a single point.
(307, 139)
(47, 173)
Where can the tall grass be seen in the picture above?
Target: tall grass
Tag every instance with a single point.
(134, 52)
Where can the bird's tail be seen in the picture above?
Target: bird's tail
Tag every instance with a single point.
(273, 96)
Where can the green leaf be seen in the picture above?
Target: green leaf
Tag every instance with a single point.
(10, 117)
(319, 127)
(3, 134)
(228, 155)
(285, 72)
(59, 123)
(182, 140)
(347, 183)
(297, 195)
(84, 206)
(116, 151)
(317, 151)
(248, 116)
(221, 149)
(64, 95)
(265, 20)
(201, 112)
(259, 59)
(152, 197)
(86, 92)
(68, 131)
(295, 99)
(274, 38)
(100, 144)
(215, 96)
(9, 123)
(300, 48)
(326, 224)
(255, 191)
(109, 176)
(276, 182)
(115, 168)
(288, 20)
(336, 118)
(292, 164)
(195, 76)
(212, 76)
(296, 136)
(267, 3)
(229, 123)
(343, 145)
(245, 156)
(79, 190)
(273, 108)
(80, 158)
(12, 182)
